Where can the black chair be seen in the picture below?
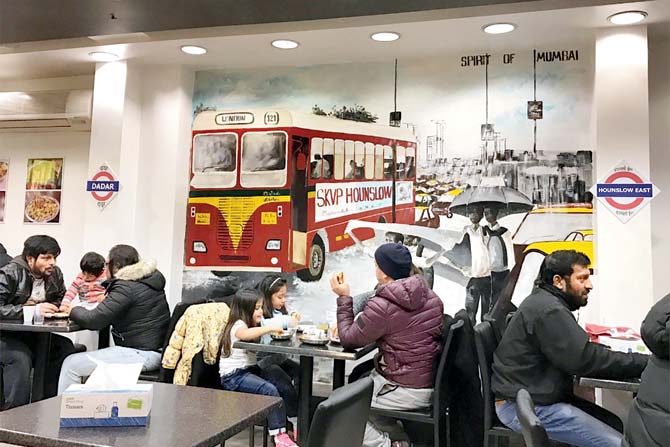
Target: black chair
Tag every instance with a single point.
(534, 434)
(438, 414)
(485, 344)
(161, 374)
(340, 420)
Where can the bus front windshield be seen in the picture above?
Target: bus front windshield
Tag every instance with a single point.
(263, 159)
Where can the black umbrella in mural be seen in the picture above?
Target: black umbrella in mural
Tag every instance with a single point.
(506, 200)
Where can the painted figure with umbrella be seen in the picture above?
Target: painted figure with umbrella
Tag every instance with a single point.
(485, 252)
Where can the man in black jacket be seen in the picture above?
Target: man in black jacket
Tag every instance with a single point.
(136, 308)
(543, 348)
(33, 278)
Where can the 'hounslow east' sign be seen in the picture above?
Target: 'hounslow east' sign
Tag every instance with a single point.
(103, 186)
(624, 191)
(333, 200)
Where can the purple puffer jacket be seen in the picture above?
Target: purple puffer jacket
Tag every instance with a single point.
(405, 319)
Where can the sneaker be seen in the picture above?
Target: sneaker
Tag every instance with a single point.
(283, 440)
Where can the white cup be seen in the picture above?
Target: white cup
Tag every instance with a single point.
(28, 313)
(38, 318)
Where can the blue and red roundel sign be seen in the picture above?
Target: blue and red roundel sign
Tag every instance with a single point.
(103, 186)
(624, 191)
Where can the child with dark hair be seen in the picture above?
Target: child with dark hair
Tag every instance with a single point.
(238, 368)
(274, 289)
(87, 286)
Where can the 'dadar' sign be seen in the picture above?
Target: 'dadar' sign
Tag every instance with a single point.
(624, 191)
(103, 186)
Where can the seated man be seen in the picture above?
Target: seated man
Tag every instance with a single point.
(33, 276)
(135, 307)
(405, 318)
(543, 348)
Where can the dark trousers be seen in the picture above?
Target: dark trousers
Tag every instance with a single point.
(498, 281)
(290, 367)
(17, 351)
(478, 289)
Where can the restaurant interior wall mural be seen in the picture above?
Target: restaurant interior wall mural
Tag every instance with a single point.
(503, 136)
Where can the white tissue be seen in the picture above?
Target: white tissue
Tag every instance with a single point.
(112, 376)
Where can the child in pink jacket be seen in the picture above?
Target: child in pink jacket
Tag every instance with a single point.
(87, 286)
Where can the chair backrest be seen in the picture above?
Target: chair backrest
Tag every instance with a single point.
(486, 344)
(340, 420)
(534, 434)
(440, 399)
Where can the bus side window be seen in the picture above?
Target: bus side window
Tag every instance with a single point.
(316, 158)
(359, 158)
(327, 157)
(338, 160)
(388, 162)
(369, 161)
(379, 162)
(411, 162)
(400, 162)
(349, 163)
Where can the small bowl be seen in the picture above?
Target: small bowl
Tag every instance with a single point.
(285, 335)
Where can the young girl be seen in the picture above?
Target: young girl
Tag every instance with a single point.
(238, 369)
(274, 288)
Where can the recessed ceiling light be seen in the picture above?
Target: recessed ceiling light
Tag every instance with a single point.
(285, 44)
(385, 36)
(499, 28)
(627, 17)
(193, 49)
(103, 56)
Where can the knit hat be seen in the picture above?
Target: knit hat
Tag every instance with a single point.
(394, 260)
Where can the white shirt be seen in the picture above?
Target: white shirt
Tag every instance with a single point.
(497, 247)
(481, 265)
(38, 293)
(239, 358)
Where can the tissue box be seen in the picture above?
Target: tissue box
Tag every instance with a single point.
(630, 344)
(81, 407)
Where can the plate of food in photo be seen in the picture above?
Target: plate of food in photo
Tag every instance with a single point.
(42, 209)
(4, 168)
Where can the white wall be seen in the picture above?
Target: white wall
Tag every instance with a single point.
(73, 148)
(659, 140)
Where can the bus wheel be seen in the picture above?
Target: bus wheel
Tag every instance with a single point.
(316, 260)
(220, 274)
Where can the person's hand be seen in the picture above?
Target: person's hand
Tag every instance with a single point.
(273, 329)
(65, 307)
(340, 288)
(296, 316)
(47, 308)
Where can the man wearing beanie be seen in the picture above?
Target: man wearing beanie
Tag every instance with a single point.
(404, 318)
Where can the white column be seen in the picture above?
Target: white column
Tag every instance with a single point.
(115, 140)
(621, 104)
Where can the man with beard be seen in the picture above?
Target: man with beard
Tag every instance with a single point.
(33, 276)
(543, 348)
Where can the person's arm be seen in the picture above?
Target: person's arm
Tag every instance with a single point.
(244, 333)
(567, 347)
(369, 327)
(8, 311)
(111, 308)
(73, 290)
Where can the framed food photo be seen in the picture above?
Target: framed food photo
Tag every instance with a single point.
(44, 181)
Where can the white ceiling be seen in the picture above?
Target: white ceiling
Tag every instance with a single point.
(333, 41)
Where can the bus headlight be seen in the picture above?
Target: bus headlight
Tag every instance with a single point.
(273, 244)
(199, 247)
